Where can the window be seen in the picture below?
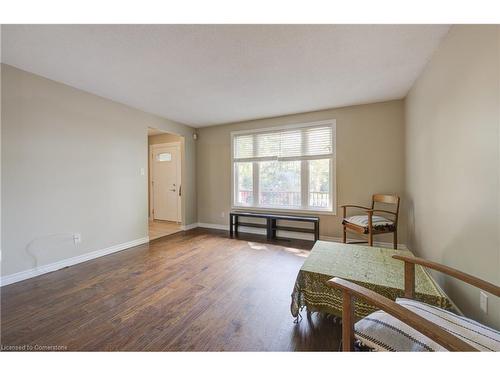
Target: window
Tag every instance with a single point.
(166, 156)
(289, 168)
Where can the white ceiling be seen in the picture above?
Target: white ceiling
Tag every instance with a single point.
(203, 75)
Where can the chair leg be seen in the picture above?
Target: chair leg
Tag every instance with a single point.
(395, 239)
(345, 235)
(370, 228)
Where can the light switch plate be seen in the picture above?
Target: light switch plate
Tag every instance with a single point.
(483, 302)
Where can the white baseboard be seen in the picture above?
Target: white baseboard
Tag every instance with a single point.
(213, 226)
(189, 226)
(40, 270)
(294, 235)
(27, 274)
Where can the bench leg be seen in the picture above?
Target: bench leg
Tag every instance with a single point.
(273, 229)
(269, 229)
(231, 225)
(344, 235)
(236, 218)
(316, 231)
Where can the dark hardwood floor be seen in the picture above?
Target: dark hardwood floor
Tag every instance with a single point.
(197, 290)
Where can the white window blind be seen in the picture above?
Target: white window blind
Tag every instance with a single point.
(297, 144)
(289, 168)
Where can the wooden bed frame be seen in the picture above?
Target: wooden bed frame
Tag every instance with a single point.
(429, 329)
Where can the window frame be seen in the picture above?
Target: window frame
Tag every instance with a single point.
(310, 210)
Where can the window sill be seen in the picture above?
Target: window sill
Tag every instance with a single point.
(284, 210)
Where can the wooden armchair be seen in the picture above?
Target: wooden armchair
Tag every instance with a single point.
(371, 224)
(431, 330)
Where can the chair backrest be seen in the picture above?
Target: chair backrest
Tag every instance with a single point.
(388, 199)
(385, 198)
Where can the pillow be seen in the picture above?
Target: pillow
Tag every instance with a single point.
(383, 332)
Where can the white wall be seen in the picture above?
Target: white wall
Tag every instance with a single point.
(71, 163)
(452, 162)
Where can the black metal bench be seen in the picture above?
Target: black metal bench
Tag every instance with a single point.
(271, 225)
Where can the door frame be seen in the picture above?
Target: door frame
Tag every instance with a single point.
(179, 176)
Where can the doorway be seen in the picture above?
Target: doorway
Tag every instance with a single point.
(165, 183)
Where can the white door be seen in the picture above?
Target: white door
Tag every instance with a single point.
(166, 173)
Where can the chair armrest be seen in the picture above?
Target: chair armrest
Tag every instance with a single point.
(345, 206)
(387, 212)
(469, 279)
(352, 205)
(429, 329)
